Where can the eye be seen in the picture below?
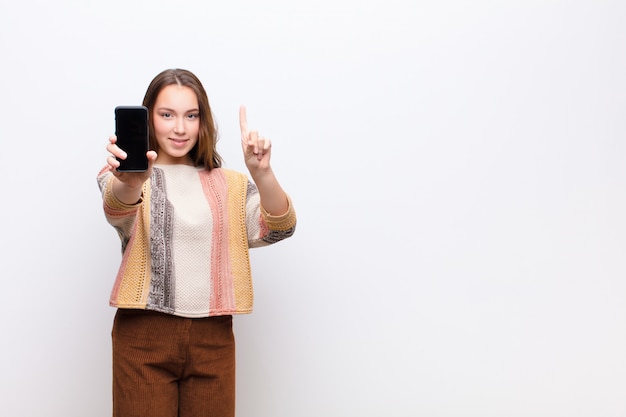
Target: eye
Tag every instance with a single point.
(166, 115)
(193, 116)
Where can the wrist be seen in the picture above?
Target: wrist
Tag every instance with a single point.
(261, 174)
(127, 193)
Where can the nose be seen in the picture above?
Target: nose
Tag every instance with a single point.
(179, 127)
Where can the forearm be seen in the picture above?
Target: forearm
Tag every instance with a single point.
(127, 194)
(273, 198)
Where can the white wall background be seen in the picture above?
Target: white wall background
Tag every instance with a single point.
(458, 172)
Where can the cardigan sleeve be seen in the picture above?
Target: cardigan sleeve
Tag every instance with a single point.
(263, 228)
(120, 215)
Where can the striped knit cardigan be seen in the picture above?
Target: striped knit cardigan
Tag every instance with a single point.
(145, 277)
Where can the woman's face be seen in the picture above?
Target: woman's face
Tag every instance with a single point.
(176, 120)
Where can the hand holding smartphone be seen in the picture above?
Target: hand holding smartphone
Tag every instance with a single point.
(131, 129)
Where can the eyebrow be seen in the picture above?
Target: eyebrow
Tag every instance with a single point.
(174, 111)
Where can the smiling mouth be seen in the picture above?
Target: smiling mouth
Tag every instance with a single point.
(178, 140)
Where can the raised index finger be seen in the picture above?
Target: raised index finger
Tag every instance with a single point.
(243, 121)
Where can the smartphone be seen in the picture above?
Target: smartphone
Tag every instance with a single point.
(131, 129)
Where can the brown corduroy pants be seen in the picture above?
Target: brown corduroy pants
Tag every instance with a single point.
(169, 366)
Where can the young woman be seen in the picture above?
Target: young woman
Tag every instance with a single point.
(186, 226)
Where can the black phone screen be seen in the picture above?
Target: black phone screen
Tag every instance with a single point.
(131, 129)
